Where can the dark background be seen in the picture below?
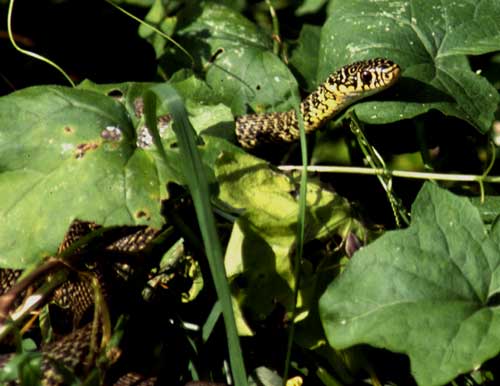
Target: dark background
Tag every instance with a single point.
(89, 39)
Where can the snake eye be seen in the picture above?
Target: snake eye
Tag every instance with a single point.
(366, 76)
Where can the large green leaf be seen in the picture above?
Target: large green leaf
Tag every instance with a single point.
(68, 154)
(437, 281)
(60, 160)
(429, 39)
(245, 71)
(259, 254)
(304, 57)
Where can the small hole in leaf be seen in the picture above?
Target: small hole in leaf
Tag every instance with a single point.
(494, 300)
(241, 281)
(258, 87)
(115, 93)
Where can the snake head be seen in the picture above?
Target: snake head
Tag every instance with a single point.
(360, 79)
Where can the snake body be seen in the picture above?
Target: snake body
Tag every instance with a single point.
(342, 88)
(73, 352)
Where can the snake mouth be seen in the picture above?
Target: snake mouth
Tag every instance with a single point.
(390, 73)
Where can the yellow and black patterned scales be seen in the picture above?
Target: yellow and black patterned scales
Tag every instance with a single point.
(344, 87)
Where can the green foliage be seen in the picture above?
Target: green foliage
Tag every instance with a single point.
(429, 40)
(24, 366)
(115, 154)
(310, 6)
(57, 165)
(264, 236)
(245, 71)
(437, 281)
(198, 184)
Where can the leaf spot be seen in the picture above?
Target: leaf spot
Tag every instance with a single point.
(141, 214)
(66, 147)
(163, 123)
(139, 107)
(144, 138)
(112, 133)
(83, 148)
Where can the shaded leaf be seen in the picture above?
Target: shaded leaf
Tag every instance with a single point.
(310, 6)
(436, 281)
(157, 17)
(243, 71)
(305, 57)
(263, 239)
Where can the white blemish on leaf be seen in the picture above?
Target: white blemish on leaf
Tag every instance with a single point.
(67, 147)
(144, 138)
(111, 133)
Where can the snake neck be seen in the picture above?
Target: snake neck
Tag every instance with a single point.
(255, 129)
(323, 104)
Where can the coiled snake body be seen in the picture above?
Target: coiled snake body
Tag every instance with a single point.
(342, 88)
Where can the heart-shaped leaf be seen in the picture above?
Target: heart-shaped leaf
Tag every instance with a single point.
(437, 281)
(429, 40)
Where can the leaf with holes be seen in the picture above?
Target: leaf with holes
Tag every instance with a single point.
(68, 154)
(241, 69)
(437, 281)
(430, 41)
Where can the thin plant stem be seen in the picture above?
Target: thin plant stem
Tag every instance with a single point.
(488, 170)
(375, 160)
(395, 173)
(276, 28)
(31, 53)
(159, 32)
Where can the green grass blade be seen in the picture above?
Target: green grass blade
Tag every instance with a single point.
(301, 221)
(197, 182)
(212, 319)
